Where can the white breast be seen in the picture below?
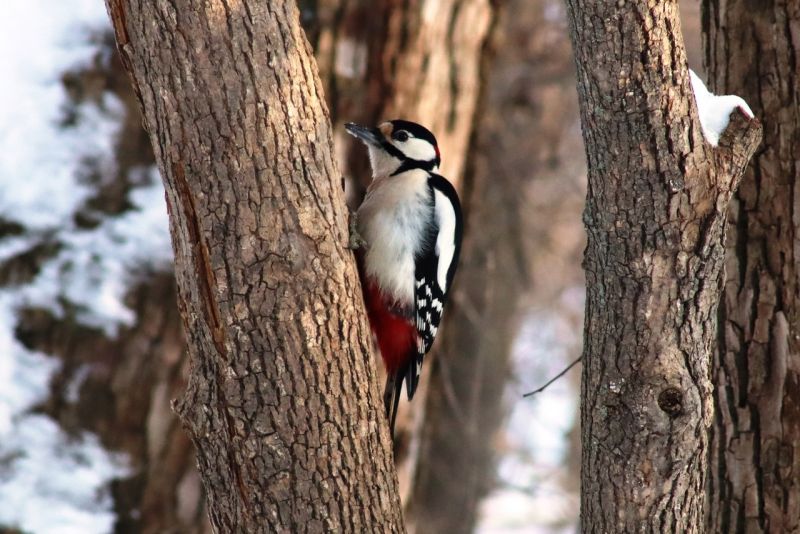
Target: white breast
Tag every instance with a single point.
(392, 220)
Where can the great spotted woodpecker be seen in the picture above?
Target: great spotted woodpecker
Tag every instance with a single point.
(408, 232)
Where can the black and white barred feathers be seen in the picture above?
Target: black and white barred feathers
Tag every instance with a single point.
(434, 270)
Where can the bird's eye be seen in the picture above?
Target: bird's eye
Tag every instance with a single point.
(401, 136)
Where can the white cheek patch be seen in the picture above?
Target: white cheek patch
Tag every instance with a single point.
(418, 149)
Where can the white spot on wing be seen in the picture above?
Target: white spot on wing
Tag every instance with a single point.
(446, 240)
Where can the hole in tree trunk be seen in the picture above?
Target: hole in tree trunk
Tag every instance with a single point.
(671, 401)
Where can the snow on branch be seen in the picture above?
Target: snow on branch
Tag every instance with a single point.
(714, 110)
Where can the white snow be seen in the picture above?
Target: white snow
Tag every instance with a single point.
(715, 111)
(24, 375)
(51, 482)
(96, 267)
(39, 40)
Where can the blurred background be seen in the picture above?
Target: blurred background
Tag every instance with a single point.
(91, 347)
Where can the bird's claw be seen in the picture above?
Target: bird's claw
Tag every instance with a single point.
(356, 241)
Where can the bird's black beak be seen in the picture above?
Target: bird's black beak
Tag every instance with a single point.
(369, 136)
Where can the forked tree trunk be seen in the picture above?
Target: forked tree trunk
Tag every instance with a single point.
(655, 214)
(282, 403)
(752, 49)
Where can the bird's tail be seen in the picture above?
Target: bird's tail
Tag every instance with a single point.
(391, 398)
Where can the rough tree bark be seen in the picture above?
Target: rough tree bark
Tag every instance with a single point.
(655, 213)
(282, 402)
(752, 50)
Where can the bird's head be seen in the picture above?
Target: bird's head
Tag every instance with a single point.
(397, 145)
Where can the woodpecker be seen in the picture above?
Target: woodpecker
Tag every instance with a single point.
(408, 235)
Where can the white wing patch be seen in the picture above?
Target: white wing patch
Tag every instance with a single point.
(446, 239)
(432, 267)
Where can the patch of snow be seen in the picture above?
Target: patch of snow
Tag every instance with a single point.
(50, 485)
(514, 512)
(715, 111)
(95, 268)
(39, 40)
(51, 482)
(72, 393)
(24, 375)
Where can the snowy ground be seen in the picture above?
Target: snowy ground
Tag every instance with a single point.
(51, 482)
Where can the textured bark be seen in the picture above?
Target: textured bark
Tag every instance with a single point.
(752, 50)
(282, 402)
(655, 214)
(528, 72)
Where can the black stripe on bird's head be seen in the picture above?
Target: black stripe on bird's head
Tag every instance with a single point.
(398, 145)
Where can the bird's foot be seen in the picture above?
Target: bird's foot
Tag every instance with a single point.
(356, 241)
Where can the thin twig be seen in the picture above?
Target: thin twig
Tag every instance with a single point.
(559, 375)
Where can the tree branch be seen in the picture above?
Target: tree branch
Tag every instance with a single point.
(559, 375)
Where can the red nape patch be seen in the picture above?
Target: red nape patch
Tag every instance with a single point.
(436, 148)
(397, 336)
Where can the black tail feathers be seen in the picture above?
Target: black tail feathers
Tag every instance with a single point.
(391, 398)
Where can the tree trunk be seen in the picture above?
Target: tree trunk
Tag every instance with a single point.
(655, 213)
(752, 50)
(417, 60)
(282, 402)
(528, 70)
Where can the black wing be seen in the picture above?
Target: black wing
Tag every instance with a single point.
(434, 271)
